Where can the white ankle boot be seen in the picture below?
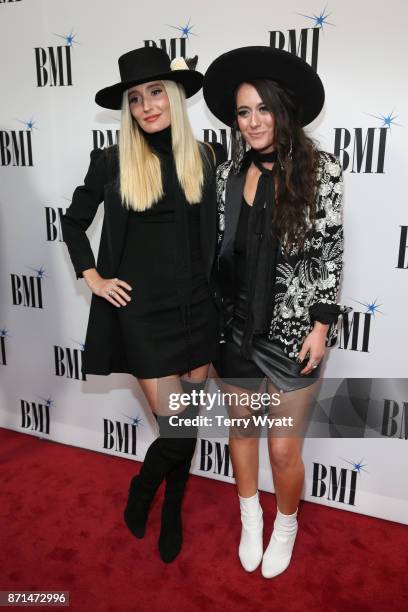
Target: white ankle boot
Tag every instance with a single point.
(279, 551)
(251, 544)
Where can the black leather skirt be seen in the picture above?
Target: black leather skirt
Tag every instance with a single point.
(267, 359)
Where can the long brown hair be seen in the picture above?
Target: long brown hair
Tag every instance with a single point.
(296, 165)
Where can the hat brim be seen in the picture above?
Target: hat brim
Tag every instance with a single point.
(249, 63)
(111, 97)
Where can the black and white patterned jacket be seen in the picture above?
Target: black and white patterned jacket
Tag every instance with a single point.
(306, 280)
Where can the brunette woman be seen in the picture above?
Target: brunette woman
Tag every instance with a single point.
(280, 245)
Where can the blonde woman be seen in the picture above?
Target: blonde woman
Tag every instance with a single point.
(153, 312)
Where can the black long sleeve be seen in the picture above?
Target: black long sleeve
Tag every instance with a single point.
(82, 211)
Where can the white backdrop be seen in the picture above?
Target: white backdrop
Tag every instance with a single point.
(58, 55)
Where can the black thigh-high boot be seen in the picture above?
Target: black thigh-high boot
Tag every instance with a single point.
(170, 540)
(143, 488)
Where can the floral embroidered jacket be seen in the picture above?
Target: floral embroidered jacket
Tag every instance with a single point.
(307, 281)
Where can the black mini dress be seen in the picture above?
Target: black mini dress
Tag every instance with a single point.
(161, 337)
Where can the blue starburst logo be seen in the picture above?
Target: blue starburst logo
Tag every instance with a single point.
(387, 120)
(69, 38)
(81, 344)
(137, 420)
(372, 307)
(319, 20)
(39, 271)
(186, 30)
(4, 333)
(357, 466)
(29, 125)
(46, 401)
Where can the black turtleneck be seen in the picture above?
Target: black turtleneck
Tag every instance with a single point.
(173, 198)
(160, 141)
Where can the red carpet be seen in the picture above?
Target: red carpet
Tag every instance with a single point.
(61, 528)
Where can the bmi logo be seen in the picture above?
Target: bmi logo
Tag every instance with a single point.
(215, 458)
(35, 416)
(217, 136)
(53, 214)
(3, 335)
(362, 150)
(54, 64)
(16, 145)
(355, 327)
(121, 437)
(395, 419)
(303, 43)
(105, 138)
(68, 362)
(26, 290)
(336, 484)
(174, 47)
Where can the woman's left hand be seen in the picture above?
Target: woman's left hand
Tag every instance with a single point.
(315, 345)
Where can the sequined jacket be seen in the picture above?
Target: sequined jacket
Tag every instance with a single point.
(307, 281)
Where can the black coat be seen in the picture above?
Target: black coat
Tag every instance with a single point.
(104, 353)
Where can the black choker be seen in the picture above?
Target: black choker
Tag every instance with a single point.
(263, 158)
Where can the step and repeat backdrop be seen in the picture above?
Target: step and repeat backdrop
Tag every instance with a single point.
(56, 55)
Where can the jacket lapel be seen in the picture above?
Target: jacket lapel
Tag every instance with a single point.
(232, 207)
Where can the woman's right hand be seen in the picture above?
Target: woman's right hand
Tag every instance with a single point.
(110, 289)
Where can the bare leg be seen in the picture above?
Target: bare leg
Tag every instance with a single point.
(244, 451)
(245, 462)
(285, 452)
(288, 475)
(288, 472)
(243, 445)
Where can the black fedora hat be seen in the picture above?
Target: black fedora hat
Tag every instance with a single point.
(148, 64)
(249, 63)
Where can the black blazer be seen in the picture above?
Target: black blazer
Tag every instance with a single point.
(103, 353)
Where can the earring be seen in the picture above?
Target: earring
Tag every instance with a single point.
(289, 155)
(290, 149)
(238, 147)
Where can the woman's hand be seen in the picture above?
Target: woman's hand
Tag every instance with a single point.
(109, 288)
(315, 345)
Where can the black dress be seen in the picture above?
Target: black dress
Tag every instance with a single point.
(266, 358)
(163, 332)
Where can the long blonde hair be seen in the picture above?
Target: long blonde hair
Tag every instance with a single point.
(140, 173)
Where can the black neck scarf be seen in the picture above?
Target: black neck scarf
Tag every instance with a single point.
(262, 251)
(161, 143)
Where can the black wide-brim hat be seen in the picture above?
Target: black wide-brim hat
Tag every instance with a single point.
(144, 65)
(249, 63)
